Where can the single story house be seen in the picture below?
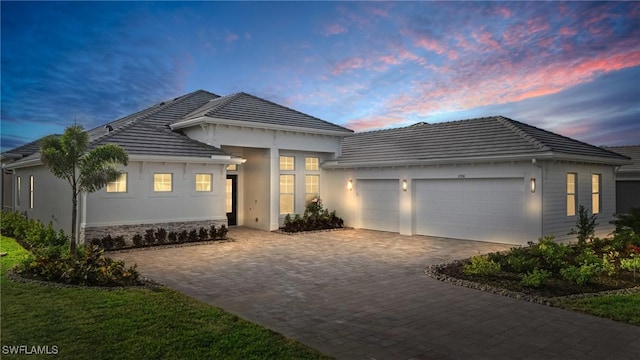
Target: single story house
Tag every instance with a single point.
(203, 159)
(628, 179)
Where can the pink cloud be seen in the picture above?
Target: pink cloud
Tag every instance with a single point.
(565, 31)
(334, 29)
(351, 63)
(374, 122)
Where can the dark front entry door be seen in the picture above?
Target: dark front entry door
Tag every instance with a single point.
(232, 199)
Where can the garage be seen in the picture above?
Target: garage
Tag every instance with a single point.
(477, 209)
(379, 204)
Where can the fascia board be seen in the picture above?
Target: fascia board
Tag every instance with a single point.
(250, 124)
(214, 159)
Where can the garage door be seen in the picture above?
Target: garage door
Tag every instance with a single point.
(379, 204)
(477, 209)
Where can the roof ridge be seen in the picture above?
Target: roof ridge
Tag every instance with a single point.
(294, 110)
(167, 129)
(510, 124)
(163, 105)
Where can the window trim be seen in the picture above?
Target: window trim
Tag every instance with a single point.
(598, 193)
(315, 194)
(31, 191)
(285, 168)
(316, 164)
(18, 190)
(292, 194)
(210, 183)
(571, 195)
(170, 182)
(118, 181)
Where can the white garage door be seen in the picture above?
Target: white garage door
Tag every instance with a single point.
(379, 204)
(477, 209)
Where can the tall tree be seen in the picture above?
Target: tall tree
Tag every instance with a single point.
(69, 158)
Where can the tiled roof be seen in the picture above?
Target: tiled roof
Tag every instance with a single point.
(488, 137)
(146, 132)
(248, 108)
(632, 152)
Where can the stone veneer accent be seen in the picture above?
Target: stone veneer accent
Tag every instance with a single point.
(128, 231)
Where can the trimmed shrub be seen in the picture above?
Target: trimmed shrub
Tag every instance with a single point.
(481, 265)
(149, 237)
(222, 233)
(582, 274)
(183, 236)
(137, 240)
(203, 234)
(213, 233)
(535, 278)
(193, 235)
(161, 235)
(173, 237)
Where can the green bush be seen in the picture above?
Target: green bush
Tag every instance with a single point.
(549, 254)
(482, 266)
(222, 232)
(535, 278)
(582, 274)
(585, 225)
(315, 217)
(91, 268)
(30, 233)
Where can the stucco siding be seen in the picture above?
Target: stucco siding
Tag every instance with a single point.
(556, 221)
(141, 205)
(347, 202)
(51, 197)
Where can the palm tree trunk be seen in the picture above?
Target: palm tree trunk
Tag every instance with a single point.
(74, 215)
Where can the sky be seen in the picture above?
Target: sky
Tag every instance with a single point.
(568, 67)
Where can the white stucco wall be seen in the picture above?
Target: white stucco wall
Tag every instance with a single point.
(347, 203)
(556, 221)
(141, 205)
(52, 197)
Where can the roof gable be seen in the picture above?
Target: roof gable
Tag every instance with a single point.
(243, 107)
(470, 140)
(632, 152)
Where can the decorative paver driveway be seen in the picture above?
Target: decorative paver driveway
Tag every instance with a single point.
(359, 294)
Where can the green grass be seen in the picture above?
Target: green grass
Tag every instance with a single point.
(129, 323)
(624, 308)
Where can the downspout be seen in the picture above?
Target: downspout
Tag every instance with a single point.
(540, 186)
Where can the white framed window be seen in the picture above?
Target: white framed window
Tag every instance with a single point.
(31, 191)
(232, 167)
(119, 185)
(287, 193)
(595, 193)
(287, 163)
(571, 193)
(18, 188)
(162, 182)
(229, 191)
(312, 186)
(312, 164)
(203, 182)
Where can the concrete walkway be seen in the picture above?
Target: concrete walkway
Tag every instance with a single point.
(359, 294)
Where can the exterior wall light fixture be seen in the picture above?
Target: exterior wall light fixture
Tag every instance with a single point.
(404, 185)
(533, 185)
(350, 184)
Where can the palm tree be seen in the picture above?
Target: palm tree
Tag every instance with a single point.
(68, 157)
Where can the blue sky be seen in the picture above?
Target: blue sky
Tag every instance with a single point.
(572, 68)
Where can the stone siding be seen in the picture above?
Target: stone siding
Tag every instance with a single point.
(128, 231)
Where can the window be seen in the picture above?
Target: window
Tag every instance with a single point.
(203, 182)
(232, 167)
(18, 187)
(162, 182)
(571, 193)
(595, 193)
(119, 185)
(287, 187)
(229, 191)
(311, 164)
(312, 186)
(287, 163)
(31, 185)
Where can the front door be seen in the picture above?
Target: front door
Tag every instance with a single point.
(232, 199)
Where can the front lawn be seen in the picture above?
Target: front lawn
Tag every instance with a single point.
(615, 307)
(85, 323)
